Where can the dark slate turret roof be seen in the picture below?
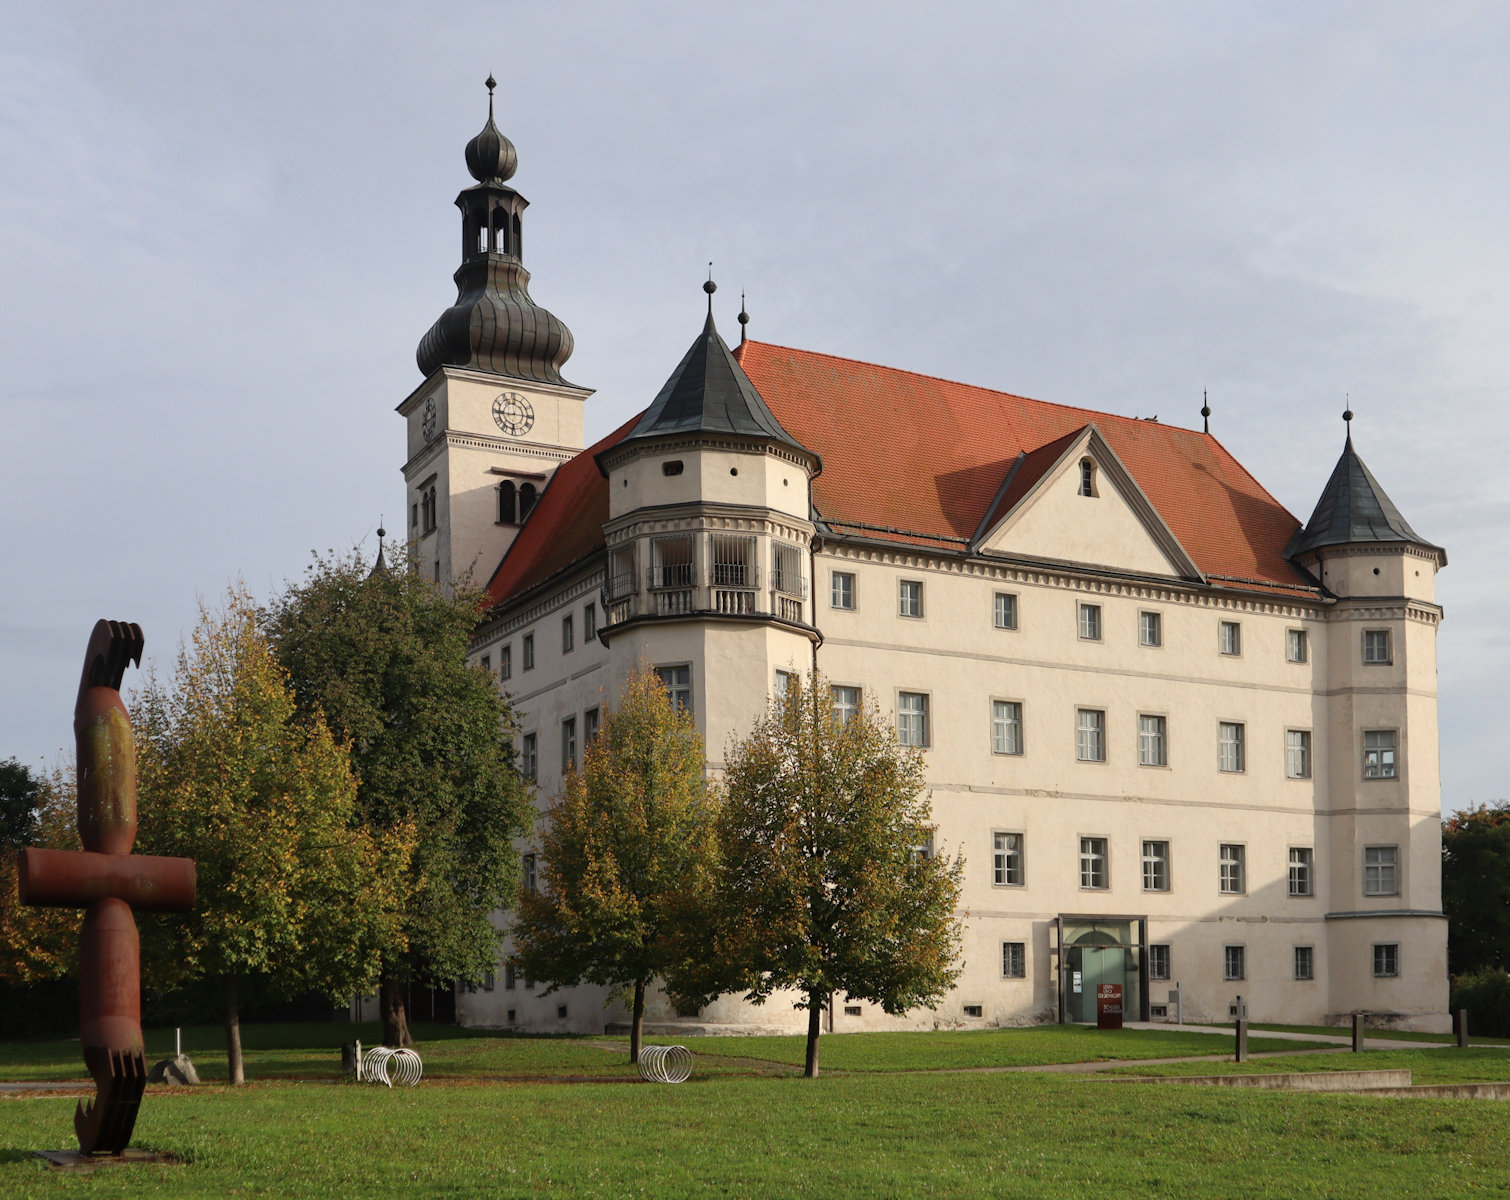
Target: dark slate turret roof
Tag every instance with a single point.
(1354, 509)
(710, 393)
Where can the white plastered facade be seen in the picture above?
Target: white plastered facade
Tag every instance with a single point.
(1367, 902)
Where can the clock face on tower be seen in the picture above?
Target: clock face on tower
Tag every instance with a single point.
(427, 422)
(513, 413)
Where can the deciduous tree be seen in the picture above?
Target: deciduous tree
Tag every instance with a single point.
(1476, 887)
(38, 944)
(383, 655)
(828, 883)
(629, 858)
(19, 793)
(291, 888)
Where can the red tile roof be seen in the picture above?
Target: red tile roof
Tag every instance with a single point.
(917, 460)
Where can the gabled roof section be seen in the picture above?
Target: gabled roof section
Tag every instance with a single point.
(1129, 535)
(709, 393)
(1354, 510)
(917, 460)
(565, 525)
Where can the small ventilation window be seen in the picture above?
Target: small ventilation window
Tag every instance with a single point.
(974, 1010)
(1087, 477)
(674, 467)
(561, 1011)
(852, 1010)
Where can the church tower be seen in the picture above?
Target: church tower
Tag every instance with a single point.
(493, 418)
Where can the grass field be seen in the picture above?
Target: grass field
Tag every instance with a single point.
(504, 1117)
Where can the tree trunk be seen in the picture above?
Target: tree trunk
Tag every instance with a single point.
(814, 1028)
(233, 1033)
(395, 1015)
(637, 1022)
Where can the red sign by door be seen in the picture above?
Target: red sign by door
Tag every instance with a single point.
(1108, 1006)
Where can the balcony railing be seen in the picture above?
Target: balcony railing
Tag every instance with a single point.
(670, 575)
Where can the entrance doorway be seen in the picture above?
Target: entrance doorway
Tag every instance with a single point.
(1097, 950)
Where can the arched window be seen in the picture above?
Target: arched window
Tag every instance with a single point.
(500, 231)
(427, 510)
(518, 238)
(507, 501)
(482, 238)
(527, 498)
(1087, 477)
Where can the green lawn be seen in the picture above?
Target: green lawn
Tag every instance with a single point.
(1447, 1065)
(1396, 1035)
(964, 1049)
(844, 1135)
(313, 1051)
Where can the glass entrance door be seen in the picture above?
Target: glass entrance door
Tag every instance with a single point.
(1096, 952)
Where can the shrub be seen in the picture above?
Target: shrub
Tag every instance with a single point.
(1486, 996)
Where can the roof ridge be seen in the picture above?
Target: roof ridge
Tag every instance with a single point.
(974, 387)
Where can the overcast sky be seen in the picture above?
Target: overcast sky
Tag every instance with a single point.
(224, 228)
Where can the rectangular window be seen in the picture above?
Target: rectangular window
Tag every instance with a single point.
(506, 663)
(1090, 735)
(1296, 648)
(489, 981)
(487, 664)
(1305, 962)
(529, 652)
(1297, 753)
(528, 763)
(841, 590)
(1004, 610)
(1152, 742)
(1229, 755)
(1006, 859)
(1014, 960)
(786, 570)
(678, 683)
(1093, 873)
(846, 702)
(568, 634)
(779, 685)
(508, 976)
(1381, 871)
(1150, 629)
(1090, 622)
(912, 718)
(531, 882)
(671, 561)
(1376, 646)
(1233, 964)
(910, 598)
(734, 561)
(1379, 754)
(1230, 638)
(568, 743)
(1386, 960)
(590, 722)
(1233, 876)
(1159, 962)
(1006, 727)
(589, 622)
(1156, 866)
(1302, 871)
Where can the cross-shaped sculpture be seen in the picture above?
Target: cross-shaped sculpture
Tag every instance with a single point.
(108, 881)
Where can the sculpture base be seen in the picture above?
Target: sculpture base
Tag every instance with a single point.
(72, 1160)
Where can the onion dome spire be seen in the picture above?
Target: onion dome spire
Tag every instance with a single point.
(494, 326)
(490, 155)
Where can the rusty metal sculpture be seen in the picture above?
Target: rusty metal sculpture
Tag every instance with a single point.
(108, 881)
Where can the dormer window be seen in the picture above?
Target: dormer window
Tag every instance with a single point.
(1087, 477)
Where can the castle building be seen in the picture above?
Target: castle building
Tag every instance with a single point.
(1184, 743)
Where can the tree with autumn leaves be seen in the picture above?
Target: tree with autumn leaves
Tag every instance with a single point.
(804, 873)
(828, 883)
(630, 858)
(293, 891)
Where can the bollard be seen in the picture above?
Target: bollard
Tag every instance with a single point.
(1462, 1024)
(1241, 1054)
(1357, 1033)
